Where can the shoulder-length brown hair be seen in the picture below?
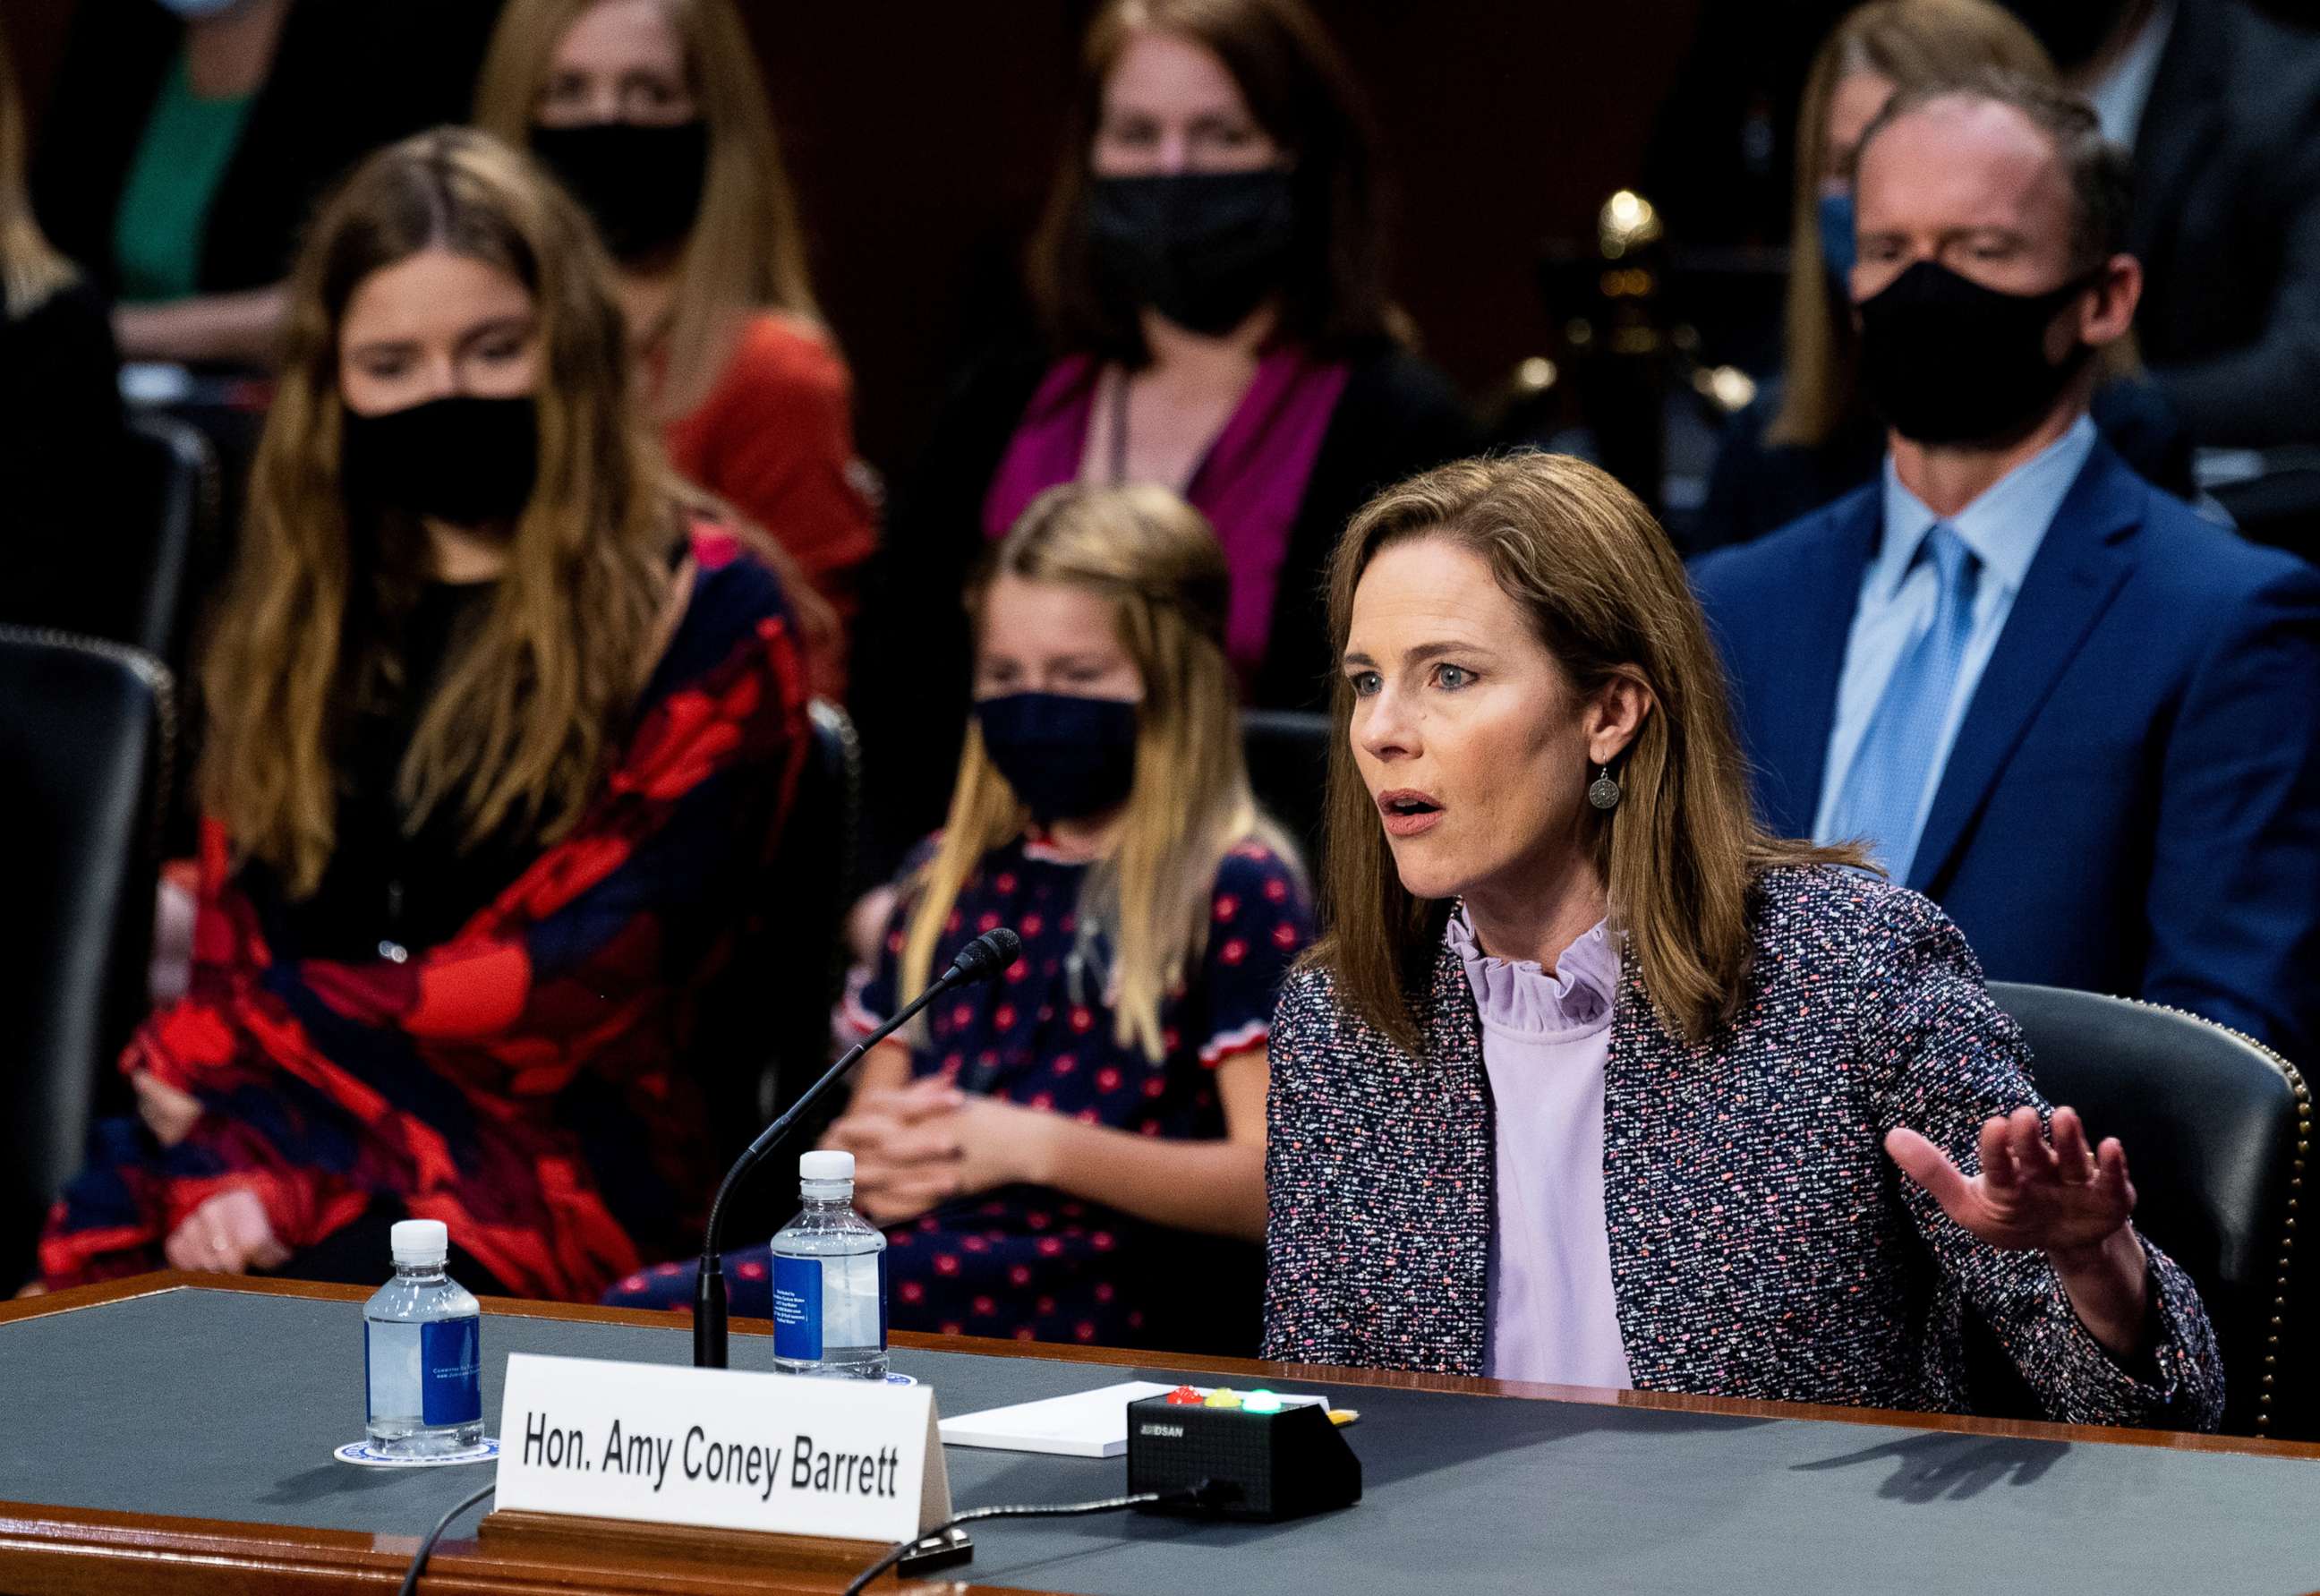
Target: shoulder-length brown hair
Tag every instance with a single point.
(1155, 560)
(1300, 93)
(747, 250)
(30, 269)
(1604, 592)
(519, 724)
(1912, 42)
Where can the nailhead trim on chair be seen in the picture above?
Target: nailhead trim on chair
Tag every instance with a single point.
(147, 669)
(2295, 1084)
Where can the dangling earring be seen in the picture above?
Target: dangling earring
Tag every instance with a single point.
(1603, 793)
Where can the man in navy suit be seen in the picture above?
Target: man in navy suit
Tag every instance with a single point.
(2084, 721)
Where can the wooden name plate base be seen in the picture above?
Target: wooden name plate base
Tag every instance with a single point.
(564, 1537)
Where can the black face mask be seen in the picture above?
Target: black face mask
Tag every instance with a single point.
(1203, 249)
(642, 185)
(1947, 360)
(2072, 31)
(1066, 757)
(468, 461)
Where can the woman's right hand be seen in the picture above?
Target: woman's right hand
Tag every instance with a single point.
(167, 1111)
(228, 1234)
(905, 1144)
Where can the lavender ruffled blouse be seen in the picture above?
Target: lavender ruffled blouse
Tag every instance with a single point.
(1546, 1041)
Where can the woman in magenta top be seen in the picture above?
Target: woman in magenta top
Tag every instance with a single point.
(1210, 279)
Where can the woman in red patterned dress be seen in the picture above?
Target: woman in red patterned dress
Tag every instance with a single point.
(497, 725)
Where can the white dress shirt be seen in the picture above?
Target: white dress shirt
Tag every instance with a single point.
(2120, 98)
(1898, 594)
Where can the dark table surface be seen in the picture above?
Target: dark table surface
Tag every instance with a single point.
(225, 1405)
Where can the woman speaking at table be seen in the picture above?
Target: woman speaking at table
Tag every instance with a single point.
(1593, 1081)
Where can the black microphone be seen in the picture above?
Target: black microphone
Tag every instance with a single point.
(980, 960)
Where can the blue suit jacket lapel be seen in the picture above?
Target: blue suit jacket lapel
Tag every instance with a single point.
(1812, 629)
(2085, 555)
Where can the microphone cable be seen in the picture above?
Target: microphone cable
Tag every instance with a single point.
(427, 1547)
(1190, 1496)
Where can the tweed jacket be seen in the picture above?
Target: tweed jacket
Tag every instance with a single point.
(1763, 1244)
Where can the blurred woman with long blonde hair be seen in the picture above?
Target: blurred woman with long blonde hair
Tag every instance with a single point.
(652, 112)
(1074, 1154)
(498, 724)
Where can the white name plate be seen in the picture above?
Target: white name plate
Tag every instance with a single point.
(721, 1448)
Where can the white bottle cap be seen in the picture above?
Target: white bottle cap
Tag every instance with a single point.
(420, 1241)
(826, 1165)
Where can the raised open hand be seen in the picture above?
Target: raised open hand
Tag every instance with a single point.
(2062, 1197)
(2057, 1196)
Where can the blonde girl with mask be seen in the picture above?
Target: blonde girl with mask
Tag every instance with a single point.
(1075, 1152)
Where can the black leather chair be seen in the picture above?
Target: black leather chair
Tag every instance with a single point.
(176, 479)
(130, 575)
(1288, 754)
(2216, 1128)
(86, 738)
(762, 1034)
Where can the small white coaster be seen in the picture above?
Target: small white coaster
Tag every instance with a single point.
(361, 1454)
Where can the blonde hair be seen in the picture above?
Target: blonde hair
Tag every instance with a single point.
(521, 720)
(31, 269)
(1910, 42)
(1604, 592)
(1154, 557)
(747, 250)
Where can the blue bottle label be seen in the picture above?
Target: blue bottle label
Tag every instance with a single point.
(452, 1371)
(797, 1308)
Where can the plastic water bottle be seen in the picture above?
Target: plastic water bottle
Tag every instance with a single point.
(830, 1279)
(422, 1352)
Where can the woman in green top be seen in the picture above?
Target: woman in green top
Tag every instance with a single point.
(186, 140)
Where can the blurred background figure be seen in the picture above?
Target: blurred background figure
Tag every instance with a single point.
(653, 115)
(1810, 435)
(1210, 278)
(1076, 1152)
(2220, 105)
(61, 420)
(499, 730)
(187, 140)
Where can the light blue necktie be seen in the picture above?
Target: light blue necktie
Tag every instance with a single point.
(1887, 783)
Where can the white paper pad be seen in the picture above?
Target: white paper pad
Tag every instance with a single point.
(1091, 1424)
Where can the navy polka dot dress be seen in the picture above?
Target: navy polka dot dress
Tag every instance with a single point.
(1028, 1262)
